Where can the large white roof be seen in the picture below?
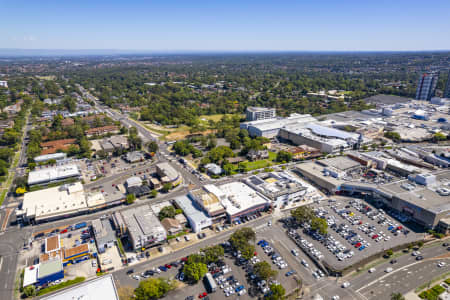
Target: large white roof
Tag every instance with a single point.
(100, 288)
(239, 197)
(55, 201)
(52, 174)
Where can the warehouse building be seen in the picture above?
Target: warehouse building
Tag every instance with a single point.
(196, 217)
(54, 174)
(142, 227)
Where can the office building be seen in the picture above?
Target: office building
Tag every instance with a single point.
(104, 234)
(142, 226)
(447, 87)
(259, 113)
(426, 86)
(3, 83)
(196, 217)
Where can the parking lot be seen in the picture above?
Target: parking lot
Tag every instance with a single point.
(356, 230)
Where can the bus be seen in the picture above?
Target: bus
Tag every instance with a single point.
(210, 283)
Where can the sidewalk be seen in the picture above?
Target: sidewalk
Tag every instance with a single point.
(411, 296)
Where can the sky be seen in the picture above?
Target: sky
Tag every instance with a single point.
(232, 25)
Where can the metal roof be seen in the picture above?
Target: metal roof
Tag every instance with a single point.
(330, 132)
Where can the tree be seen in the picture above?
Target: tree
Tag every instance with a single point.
(284, 156)
(213, 253)
(264, 271)
(319, 225)
(439, 136)
(277, 292)
(240, 240)
(302, 214)
(153, 288)
(153, 193)
(194, 271)
(152, 146)
(166, 187)
(29, 291)
(392, 135)
(131, 198)
(389, 253)
(397, 296)
(166, 212)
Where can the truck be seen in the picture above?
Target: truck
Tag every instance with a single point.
(210, 283)
(80, 225)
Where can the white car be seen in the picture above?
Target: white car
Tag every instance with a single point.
(371, 270)
(346, 284)
(389, 270)
(441, 264)
(335, 297)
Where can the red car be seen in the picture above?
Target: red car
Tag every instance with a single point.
(168, 266)
(64, 231)
(184, 259)
(357, 245)
(203, 295)
(374, 236)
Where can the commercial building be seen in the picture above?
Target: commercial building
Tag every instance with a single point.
(239, 199)
(104, 234)
(426, 86)
(52, 244)
(259, 113)
(3, 83)
(142, 227)
(134, 156)
(133, 181)
(206, 198)
(326, 139)
(447, 87)
(316, 173)
(102, 287)
(76, 254)
(63, 201)
(269, 128)
(53, 203)
(280, 187)
(424, 198)
(168, 174)
(196, 217)
(53, 174)
(43, 273)
(55, 156)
